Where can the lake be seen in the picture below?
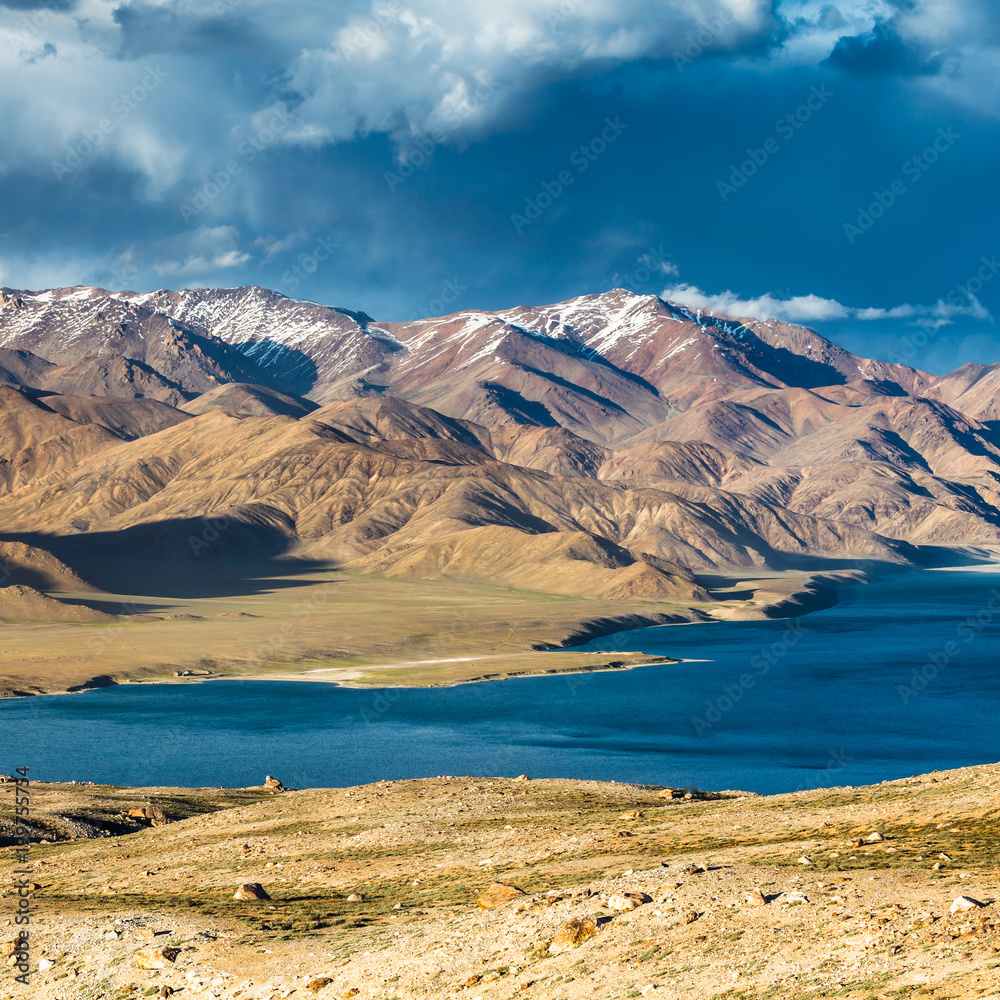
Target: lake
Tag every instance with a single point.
(900, 677)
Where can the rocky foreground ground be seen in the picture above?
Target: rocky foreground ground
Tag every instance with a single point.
(496, 887)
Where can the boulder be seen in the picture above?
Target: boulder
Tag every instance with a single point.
(154, 813)
(572, 934)
(499, 894)
(623, 901)
(274, 784)
(251, 890)
(963, 904)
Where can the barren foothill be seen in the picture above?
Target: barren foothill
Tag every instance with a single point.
(841, 892)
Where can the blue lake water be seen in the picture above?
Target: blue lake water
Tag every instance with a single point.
(900, 677)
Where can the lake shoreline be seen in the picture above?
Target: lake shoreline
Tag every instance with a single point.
(759, 596)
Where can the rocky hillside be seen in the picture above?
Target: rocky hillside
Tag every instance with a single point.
(614, 445)
(498, 887)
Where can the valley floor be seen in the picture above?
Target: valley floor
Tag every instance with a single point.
(374, 891)
(313, 622)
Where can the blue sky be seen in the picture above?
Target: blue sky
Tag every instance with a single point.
(832, 164)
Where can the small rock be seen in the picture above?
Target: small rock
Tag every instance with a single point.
(317, 984)
(572, 934)
(355, 897)
(647, 990)
(145, 933)
(692, 869)
(623, 901)
(805, 860)
(499, 894)
(756, 898)
(965, 903)
(937, 866)
(472, 980)
(156, 958)
(274, 784)
(522, 777)
(875, 838)
(352, 992)
(251, 890)
(794, 897)
(166, 991)
(690, 917)
(630, 814)
(45, 963)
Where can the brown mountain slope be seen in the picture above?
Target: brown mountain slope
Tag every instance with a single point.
(279, 485)
(36, 441)
(113, 376)
(699, 439)
(249, 400)
(21, 603)
(34, 567)
(126, 418)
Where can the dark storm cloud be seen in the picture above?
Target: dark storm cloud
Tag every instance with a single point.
(409, 134)
(883, 52)
(57, 6)
(147, 29)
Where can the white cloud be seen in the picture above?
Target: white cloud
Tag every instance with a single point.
(201, 253)
(816, 309)
(406, 68)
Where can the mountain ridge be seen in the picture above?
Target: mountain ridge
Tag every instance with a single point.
(613, 444)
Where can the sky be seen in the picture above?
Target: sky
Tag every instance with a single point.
(830, 164)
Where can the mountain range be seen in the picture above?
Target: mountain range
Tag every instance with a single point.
(613, 445)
